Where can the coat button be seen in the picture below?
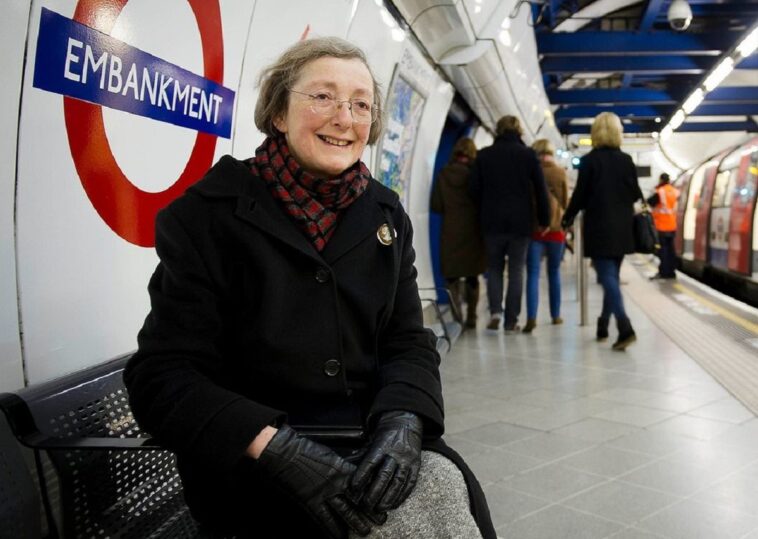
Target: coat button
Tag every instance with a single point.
(332, 367)
(322, 275)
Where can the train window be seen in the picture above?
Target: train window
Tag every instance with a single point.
(693, 200)
(720, 189)
(731, 186)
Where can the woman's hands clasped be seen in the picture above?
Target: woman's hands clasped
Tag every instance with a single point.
(318, 478)
(336, 493)
(389, 470)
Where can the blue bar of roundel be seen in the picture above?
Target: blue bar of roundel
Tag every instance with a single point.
(49, 67)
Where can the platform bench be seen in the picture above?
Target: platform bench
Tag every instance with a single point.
(110, 479)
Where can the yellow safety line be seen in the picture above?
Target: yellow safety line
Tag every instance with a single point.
(747, 324)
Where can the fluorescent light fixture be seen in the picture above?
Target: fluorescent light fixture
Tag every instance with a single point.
(749, 44)
(719, 74)
(693, 101)
(677, 119)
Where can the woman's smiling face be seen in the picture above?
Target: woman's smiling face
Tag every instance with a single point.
(327, 145)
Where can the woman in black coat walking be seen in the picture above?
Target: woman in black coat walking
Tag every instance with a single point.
(285, 359)
(606, 190)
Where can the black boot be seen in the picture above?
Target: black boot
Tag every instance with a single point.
(626, 334)
(472, 299)
(602, 329)
(455, 289)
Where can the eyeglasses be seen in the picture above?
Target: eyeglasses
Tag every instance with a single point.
(362, 110)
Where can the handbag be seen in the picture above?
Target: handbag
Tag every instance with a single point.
(645, 234)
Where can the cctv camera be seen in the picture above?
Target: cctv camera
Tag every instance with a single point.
(679, 15)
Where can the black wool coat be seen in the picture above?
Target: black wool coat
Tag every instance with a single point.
(606, 190)
(250, 326)
(507, 184)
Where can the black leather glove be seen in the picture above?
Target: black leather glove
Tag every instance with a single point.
(317, 478)
(389, 471)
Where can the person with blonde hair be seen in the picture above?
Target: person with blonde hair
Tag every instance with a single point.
(510, 192)
(550, 241)
(606, 191)
(285, 359)
(461, 247)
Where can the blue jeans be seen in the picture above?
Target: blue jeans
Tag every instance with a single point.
(554, 251)
(608, 274)
(498, 247)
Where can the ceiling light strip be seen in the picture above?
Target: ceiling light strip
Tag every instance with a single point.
(716, 76)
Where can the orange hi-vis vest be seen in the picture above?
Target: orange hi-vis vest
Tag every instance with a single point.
(664, 213)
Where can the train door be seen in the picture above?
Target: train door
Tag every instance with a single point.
(702, 220)
(683, 184)
(690, 211)
(754, 172)
(742, 194)
(721, 208)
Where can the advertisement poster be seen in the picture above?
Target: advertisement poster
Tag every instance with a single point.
(405, 105)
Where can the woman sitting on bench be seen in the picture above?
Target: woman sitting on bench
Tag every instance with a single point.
(284, 359)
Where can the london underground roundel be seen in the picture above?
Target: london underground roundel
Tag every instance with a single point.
(129, 211)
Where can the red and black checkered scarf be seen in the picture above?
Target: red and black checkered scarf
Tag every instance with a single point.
(313, 203)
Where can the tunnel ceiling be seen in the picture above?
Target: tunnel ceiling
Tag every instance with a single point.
(623, 56)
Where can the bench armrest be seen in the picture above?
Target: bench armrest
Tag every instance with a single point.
(41, 441)
(26, 431)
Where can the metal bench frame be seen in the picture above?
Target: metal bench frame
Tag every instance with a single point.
(114, 481)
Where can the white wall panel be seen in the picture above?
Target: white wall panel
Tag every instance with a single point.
(386, 53)
(82, 287)
(13, 26)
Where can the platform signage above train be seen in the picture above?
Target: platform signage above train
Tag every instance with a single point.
(75, 60)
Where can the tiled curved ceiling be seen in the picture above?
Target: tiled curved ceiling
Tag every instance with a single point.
(631, 62)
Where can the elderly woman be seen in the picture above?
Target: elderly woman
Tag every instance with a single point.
(606, 190)
(284, 359)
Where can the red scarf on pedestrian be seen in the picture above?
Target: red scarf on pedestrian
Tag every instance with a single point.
(314, 204)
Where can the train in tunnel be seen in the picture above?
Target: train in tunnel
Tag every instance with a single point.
(717, 222)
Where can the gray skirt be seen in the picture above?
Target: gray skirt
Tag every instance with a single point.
(437, 508)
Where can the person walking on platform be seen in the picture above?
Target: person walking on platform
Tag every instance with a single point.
(507, 185)
(285, 360)
(663, 203)
(606, 190)
(551, 241)
(461, 248)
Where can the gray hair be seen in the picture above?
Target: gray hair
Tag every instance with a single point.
(276, 79)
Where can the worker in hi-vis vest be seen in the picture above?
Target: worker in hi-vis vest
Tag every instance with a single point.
(663, 204)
